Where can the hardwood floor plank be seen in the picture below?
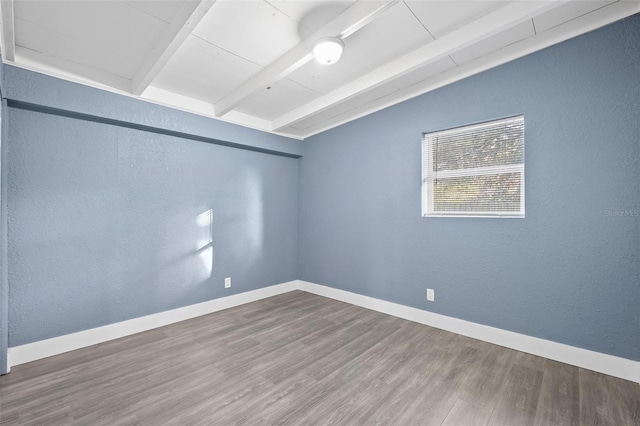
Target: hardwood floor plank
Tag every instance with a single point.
(531, 361)
(200, 405)
(9, 418)
(322, 346)
(157, 388)
(605, 400)
(281, 394)
(299, 358)
(467, 413)
(443, 388)
(492, 370)
(46, 415)
(559, 402)
(348, 352)
(518, 398)
(628, 401)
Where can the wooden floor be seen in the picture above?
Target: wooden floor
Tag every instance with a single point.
(304, 359)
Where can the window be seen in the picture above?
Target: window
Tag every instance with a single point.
(475, 170)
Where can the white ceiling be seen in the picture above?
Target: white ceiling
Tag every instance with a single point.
(249, 61)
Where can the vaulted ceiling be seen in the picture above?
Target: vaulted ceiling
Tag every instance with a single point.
(250, 62)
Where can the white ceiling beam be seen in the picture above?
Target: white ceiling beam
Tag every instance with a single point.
(467, 35)
(189, 15)
(348, 22)
(585, 23)
(7, 38)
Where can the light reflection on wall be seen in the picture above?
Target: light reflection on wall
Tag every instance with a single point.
(255, 212)
(204, 244)
(249, 218)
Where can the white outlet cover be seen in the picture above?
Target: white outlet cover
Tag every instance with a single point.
(227, 282)
(431, 295)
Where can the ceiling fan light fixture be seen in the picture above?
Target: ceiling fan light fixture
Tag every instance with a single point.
(328, 50)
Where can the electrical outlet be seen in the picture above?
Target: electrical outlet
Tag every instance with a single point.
(431, 295)
(227, 282)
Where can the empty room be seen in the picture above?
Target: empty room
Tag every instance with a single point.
(296, 212)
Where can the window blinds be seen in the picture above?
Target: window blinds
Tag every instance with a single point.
(475, 170)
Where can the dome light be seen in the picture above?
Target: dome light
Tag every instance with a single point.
(328, 50)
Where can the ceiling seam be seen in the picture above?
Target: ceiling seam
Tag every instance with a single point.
(228, 51)
(418, 19)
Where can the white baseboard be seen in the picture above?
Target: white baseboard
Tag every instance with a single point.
(596, 361)
(69, 342)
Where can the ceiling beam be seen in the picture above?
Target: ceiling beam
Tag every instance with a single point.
(591, 21)
(467, 35)
(7, 38)
(189, 15)
(347, 23)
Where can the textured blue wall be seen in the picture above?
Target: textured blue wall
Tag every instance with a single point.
(105, 222)
(42, 91)
(569, 272)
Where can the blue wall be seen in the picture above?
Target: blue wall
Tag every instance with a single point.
(569, 272)
(32, 90)
(106, 222)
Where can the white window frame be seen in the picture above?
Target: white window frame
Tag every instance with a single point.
(429, 176)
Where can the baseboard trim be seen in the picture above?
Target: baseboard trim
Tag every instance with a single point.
(595, 361)
(45, 348)
(591, 360)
